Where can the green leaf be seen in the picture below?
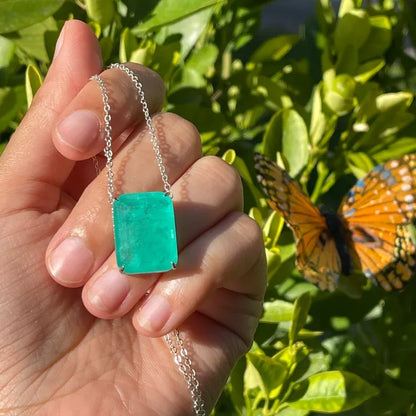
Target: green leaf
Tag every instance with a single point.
(292, 355)
(239, 164)
(274, 260)
(275, 48)
(101, 11)
(203, 59)
(347, 60)
(106, 46)
(340, 99)
(237, 383)
(397, 101)
(39, 40)
(359, 163)
(331, 392)
(318, 122)
(12, 101)
(316, 362)
(379, 39)
(367, 70)
(398, 148)
(164, 62)
(189, 30)
(229, 156)
(33, 81)
(277, 311)
(273, 228)
(353, 30)
(128, 44)
(2, 147)
(255, 214)
(300, 315)
(287, 133)
(295, 141)
(268, 88)
(17, 14)
(167, 12)
(7, 49)
(348, 6)
(383, 127)
(264, 372)
(290, 411)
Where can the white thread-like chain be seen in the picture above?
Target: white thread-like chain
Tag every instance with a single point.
(184, 364)
(173, 340)
(151, 128)
(108, 150)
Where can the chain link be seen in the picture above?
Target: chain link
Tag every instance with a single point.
(173, 340)
(184, 364)
(151, 128)
(108, 151)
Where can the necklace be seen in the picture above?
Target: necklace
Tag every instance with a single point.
(144, 228)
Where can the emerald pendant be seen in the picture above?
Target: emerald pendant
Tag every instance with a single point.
(145, 233)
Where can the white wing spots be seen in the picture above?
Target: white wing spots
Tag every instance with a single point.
(407, 178)
(377, 211)
(403, 171)
(406, 187)
(409, 198)
(283, 206)
(394, 164)
(388, 192)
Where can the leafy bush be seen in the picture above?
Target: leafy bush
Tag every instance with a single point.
(331, 103)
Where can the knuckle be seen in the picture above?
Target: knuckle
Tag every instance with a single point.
(182, 133)
(252, 230)
(223, 175)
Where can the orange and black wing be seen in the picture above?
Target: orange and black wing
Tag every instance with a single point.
(380, 212)
(317, 257)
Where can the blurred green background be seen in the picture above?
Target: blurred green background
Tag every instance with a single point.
(327, 89)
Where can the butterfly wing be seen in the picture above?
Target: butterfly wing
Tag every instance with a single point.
(379, 211)
(317, 257)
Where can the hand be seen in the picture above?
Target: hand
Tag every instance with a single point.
(88, 340)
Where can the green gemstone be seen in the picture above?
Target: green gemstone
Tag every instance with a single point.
(144, 232)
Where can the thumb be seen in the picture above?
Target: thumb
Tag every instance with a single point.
(31, 169)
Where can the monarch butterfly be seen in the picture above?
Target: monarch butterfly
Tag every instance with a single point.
(372, 230)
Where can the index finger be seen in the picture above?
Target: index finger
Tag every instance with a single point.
(79, 132)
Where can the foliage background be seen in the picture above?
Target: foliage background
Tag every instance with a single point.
(329, 103)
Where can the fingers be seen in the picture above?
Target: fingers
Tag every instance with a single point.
(86, 239)
(79, 132)
(222, 275)
(31, 166)
(206, 193)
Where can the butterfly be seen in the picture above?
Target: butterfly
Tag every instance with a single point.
(373, 230)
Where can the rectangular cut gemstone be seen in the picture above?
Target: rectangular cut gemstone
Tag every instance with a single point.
(145, 233)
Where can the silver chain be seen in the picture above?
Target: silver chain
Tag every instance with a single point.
(151, 128)
(173, 340)
(184, 364)
(108, 150)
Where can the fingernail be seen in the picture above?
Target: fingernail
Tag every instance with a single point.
(59, 42)
(79, 130)
(71, 261)
(109, 291)
(154, 313)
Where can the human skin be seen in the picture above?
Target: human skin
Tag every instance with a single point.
(77, 337)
